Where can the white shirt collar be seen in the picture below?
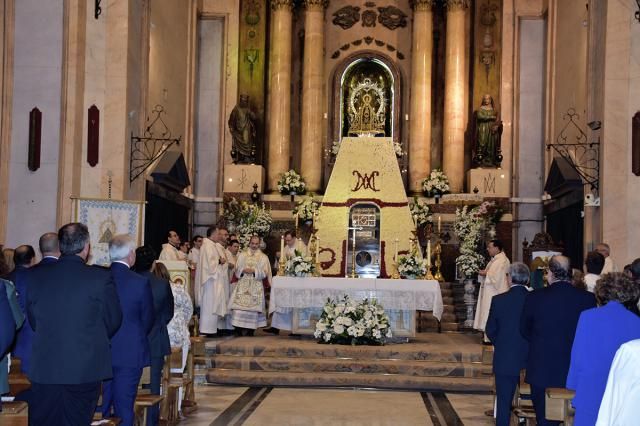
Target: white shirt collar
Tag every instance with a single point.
(123, 262)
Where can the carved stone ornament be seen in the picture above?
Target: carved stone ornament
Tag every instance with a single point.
(346, 17)
(453, 5)
(369, 18)
(315, 4)
(422, 5)
(282, 5)
(392, 17)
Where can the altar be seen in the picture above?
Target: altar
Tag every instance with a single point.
(400, 299)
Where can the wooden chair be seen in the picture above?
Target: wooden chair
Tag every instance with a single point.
(189, 403)
(522, 405)
(171, 382)
(111, 421)
(558, 405)
(14, 413)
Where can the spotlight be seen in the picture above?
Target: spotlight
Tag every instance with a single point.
(595, 125)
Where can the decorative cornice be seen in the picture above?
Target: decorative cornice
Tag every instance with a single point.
(453, 5)
(282, 5)
(315, 4)
(422, 5)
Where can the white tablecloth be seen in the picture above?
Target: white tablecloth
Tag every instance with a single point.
(414, 295)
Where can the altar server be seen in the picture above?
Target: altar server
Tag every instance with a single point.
(292, 245)
(493, 281)
(247, 300)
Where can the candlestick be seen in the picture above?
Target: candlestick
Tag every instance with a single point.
(296, 221)
(395, 256)
(429, 253)
(439, 224)
(282, 247)
(281, 264)
(317, 248)
(353, 255)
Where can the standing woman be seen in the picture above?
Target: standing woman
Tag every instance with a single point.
(599, 334)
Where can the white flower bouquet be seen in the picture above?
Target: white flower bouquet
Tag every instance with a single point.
(468, 227)
(437, 183)
(306, 208)
(291, 183)
(397, 147)
(247, 220)
(347, 322)
(411, 266)
(420, 213)
(299, 266)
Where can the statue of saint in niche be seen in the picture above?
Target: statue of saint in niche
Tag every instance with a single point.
(243, 130)
(487, 135)
(367, 109)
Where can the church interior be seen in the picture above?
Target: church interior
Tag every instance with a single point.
(404, 159)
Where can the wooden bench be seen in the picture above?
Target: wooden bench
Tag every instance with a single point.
(522, 406)
(143, 404)
(110, 421)
(14, 413)
(558, 405)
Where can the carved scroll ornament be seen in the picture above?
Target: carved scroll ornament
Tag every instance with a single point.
(346, 17)
(392, 17)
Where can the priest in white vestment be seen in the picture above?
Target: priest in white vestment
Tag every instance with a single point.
(493, 280)
(621, 400)
(247, 303)
(212, 283)
(170, 249)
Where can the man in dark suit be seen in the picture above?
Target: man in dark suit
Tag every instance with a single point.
(130, 345)
(74, 310)
(163, 311)
(549, 321)
(50, 253)
(503, 329)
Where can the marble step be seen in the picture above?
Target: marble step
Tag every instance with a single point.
(380, 381)
(283, 347)
(323, 365)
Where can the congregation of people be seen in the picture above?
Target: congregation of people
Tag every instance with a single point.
(119, 319)
(580, 332)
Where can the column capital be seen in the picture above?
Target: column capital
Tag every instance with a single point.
(282, 5)
(453, 5)
(422, 5)
(315, 4)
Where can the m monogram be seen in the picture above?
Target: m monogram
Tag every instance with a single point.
(365, 181)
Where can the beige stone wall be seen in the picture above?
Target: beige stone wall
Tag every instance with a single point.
(620, 188)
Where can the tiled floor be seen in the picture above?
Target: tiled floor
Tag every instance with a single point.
(229, 405)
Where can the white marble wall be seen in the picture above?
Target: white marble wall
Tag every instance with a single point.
(530, 130)
(37, 82)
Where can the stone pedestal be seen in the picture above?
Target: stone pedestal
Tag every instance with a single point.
(490, 182)
(241, 177)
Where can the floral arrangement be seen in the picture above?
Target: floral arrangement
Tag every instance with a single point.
(468, 227)
(291, 183)
(347, 322)
(306, 208)
(412, 266)
(490, 212)
(420, 212)
(247, 219)
(397, 147)
(299, 266)
(437, 183)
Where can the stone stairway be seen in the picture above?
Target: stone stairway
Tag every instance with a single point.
(431, 361)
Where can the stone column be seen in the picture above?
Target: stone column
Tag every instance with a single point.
(312, 73)
(279, 112)
(420, 118)
(454, 93)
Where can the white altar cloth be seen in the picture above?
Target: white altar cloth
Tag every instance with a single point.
(313, 292)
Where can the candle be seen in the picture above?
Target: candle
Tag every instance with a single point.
(282, 247)
(296, 221)
(429, 253)
(395, 257)
(317, 248)
(439, 224)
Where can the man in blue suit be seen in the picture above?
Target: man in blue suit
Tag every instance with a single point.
(130, 345)
(503, 329)
(549, 321)
(74, 310)
(159, 345)
(50, 253)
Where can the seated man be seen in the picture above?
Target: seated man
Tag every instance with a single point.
(247, 300)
